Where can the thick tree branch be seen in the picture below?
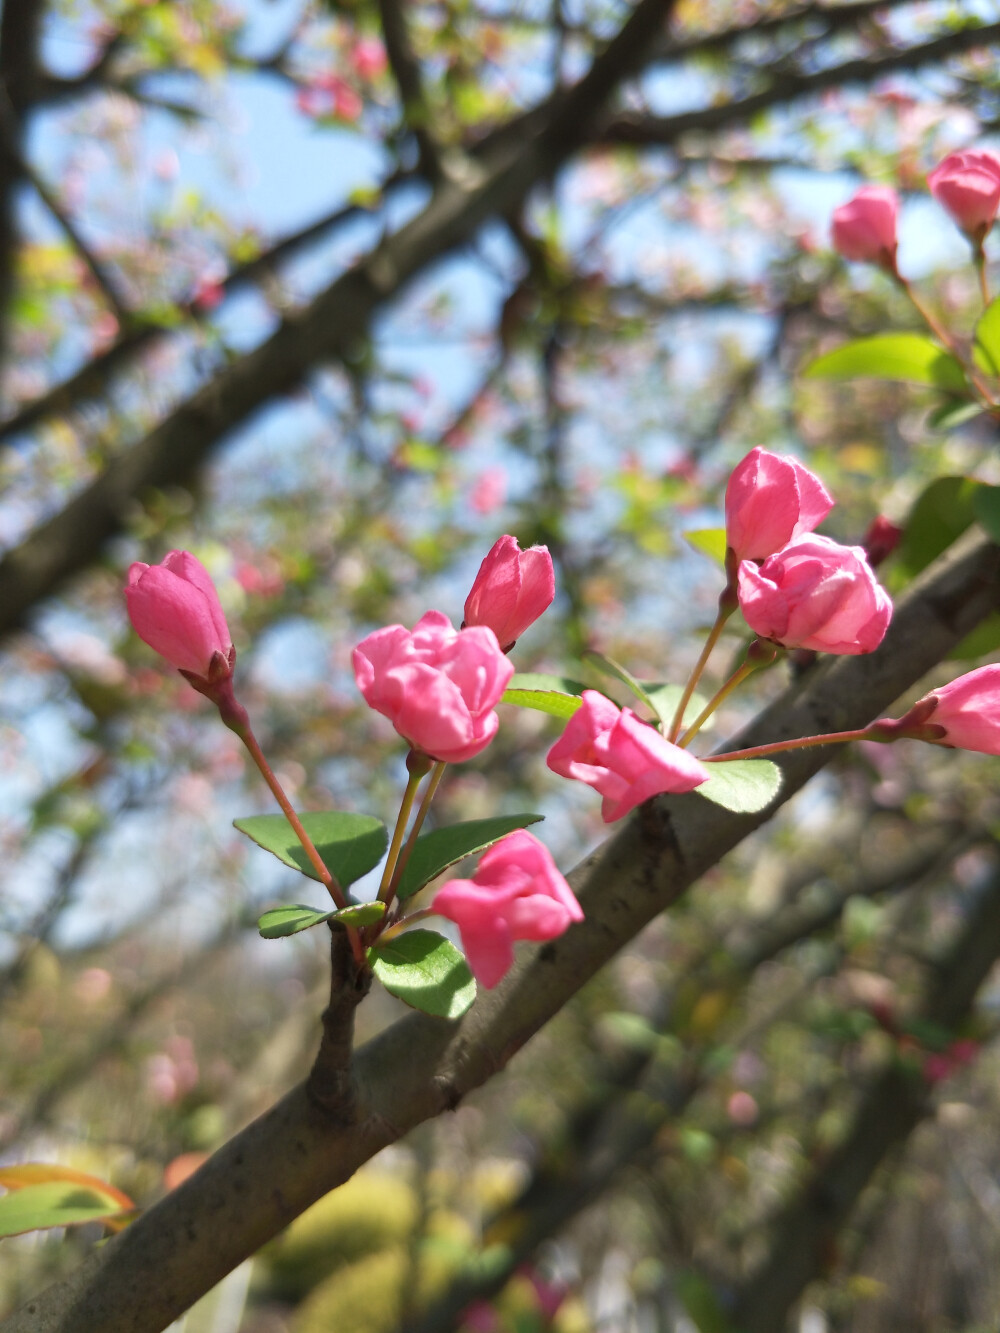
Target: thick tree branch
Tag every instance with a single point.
(409, 80)
(271, 1171)
(666, 130)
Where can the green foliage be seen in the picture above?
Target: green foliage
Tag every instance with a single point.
(54, 1203)
(709, 541)
(425, 971)
(281, 921)
(350, 845)
(745, 786)
(912, 358)
(444, 847)
(556, 695)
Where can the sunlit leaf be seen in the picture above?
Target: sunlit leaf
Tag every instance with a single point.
(289, 920)
(744, 786)
(350, 845)
(910, 357)
(425, 971)
(710, 541)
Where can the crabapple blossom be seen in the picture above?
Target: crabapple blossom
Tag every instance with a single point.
(627, 761)
(771, 499)
(969, 710)
(816, 594)
(967, 186)
(511, 590)
(174, 607)
(516, 893)
(865, 227)
(437, 685)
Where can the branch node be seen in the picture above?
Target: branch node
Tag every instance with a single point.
(330, 1085)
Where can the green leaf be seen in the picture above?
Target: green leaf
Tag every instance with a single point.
(941, 513)
(665, 699)
(282, 921)
(609, 667)
(986, 507)
(349, 844)
(910, 357)
(425, 971)
(985, 638)
(952, 413)
(555, 695)
(57, 1203)
(710, 541)
(701, 1303)
(437, 851)
(986, 339)
(744, 786)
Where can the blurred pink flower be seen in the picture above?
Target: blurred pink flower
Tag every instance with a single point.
(511, 590)
(865, 227)
(437, 685)
(967, 186)
(516, 893)
(489, 491)
(817, 594)
(610, 749)
(771, 499)
(368, 58)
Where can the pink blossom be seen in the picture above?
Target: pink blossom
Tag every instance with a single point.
(516, 893)
(865, 227)
(771, 499)
(967, 185)
(437, 685)
(489, 491)
(368, 59)
(512, 589)
(627, 761)
(173, 606)
(881, 539)
(816, 594)
(969, 710)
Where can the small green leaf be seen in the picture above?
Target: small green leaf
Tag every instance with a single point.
(56, 1203)
(556, 695)
(986, 507)
(700, 1301)
(437, 851)
(910, 357)
(543, 701)
(744, 786)
(425, 971)
(609, 667)
(953, 413)
(665, 699)
(349, 844)
(942, 512)
(710, 541)
(986, 339)
(282, 921)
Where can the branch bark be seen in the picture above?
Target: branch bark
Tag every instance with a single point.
(275, 1168)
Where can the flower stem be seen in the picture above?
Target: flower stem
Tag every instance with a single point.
(758, 654)
(385, 889)
(425, 803)
(944, 337)
(802, 743)
(399, 926)
(984, 285)
(725, 611)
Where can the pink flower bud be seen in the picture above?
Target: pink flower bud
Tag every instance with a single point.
(815, 594)
(969, 710)
(173, 606)
(627, 761)
(881, 539)
(967, 185)
(516, 893)
(865, 227)
(368, 58)
(770, 499)
(437, 685)
(512, 589)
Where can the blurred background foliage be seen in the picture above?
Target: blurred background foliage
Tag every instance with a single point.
(583, 369)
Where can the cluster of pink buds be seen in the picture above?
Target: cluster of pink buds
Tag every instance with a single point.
(966, 185)
(795, 588)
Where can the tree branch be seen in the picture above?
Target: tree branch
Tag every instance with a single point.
(275, 1168)
(409, 80)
